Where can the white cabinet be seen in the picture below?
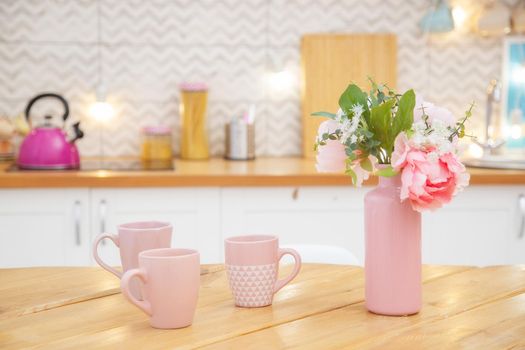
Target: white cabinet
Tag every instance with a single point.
(44, 227)
(329, 215)
(194, 213)
(479, 227)
(56, 226)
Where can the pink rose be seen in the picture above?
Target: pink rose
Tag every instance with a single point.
(433, 112)
(331, 158)
(428, 181)
(328, 126)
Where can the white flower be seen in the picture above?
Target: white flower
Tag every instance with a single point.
(357, 110)
(339, 116)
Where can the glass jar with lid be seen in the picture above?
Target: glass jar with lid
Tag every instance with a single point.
(157, 146)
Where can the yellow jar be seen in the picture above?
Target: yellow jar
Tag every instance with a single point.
(157, 146)
(193, 109)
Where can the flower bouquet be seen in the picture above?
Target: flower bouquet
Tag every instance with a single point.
(385, 134)
(412, 146)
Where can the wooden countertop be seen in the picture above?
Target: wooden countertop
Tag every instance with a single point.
(218, 172)
(323, 308)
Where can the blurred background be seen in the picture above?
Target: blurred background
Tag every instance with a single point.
(248, 52)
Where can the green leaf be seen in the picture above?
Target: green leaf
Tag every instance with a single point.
(386, 172)
(351, 96)
(381, 124)
(405, 113)
(352, 175)
(354, 95)
(324, 114)
(366, 164)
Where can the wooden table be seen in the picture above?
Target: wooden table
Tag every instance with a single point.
(80, 308)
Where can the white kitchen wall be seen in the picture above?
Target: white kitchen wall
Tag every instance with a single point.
(148, 47)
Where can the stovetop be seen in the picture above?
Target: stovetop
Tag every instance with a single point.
(109, 164)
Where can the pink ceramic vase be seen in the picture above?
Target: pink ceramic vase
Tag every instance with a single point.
(392, 251)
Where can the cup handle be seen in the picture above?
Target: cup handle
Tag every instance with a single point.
(105, 266)
(283, 282)
(124, 286)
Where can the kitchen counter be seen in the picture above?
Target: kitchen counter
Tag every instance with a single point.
(217, 172)
(323, 308)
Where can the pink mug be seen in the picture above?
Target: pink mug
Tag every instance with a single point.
(133, 238)
(252, 265)
(171, 279)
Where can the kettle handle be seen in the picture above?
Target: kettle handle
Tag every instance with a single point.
(48, 94)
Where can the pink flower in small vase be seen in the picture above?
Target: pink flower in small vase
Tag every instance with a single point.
(331, 157)
(428, 180)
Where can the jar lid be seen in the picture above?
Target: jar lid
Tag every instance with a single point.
(156, 130)
(195, 86)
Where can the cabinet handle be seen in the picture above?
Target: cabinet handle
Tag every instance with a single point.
(77, 214)
(295, 193)
(103, 206)
(521, 210)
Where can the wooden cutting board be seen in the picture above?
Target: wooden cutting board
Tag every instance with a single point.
(330, 62)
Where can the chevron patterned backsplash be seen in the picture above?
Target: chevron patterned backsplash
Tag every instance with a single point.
(148, 47)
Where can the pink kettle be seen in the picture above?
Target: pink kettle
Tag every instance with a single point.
(47, 146)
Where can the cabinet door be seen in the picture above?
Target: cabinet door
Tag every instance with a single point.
(331, 215)
(44, 227)
(193, 212)
(477, 228)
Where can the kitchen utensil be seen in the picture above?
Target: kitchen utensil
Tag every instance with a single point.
(194, 140)
(133, 238)
(252, 265)
(330, 62)
(240, 140)
(171, 280)
(47, 146)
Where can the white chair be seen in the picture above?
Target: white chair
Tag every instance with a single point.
(322, 254)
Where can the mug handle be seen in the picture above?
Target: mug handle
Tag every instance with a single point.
(124, 286)
(105, 266)
(283, 282)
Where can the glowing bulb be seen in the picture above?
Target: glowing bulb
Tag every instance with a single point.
(459, 15)
(280, 81)
(475, 151)
(515, 131)
(518, 74)
(101, 111)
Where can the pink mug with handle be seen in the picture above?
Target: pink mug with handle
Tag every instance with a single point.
(252, 265)
(171, 280)
(132, 239)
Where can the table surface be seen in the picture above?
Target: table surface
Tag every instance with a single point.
(289, 171)
(81, 308)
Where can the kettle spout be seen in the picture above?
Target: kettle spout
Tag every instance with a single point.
(78, 133)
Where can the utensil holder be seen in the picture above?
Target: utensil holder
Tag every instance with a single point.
(240, 141)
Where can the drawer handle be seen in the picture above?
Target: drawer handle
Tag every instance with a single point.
(77, 214)
(521, 210)
(295, 194)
